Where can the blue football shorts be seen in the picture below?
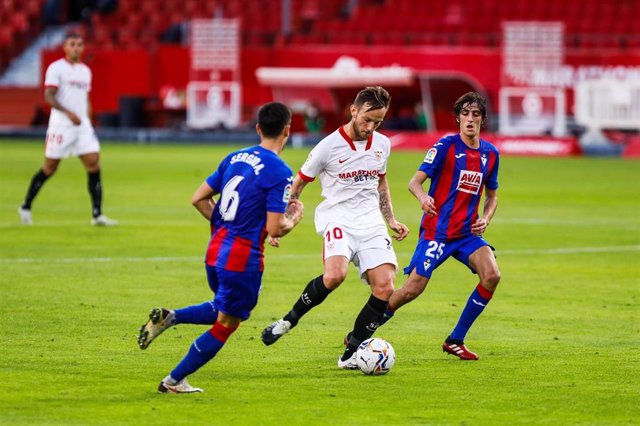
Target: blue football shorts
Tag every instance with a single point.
(236, 293)
(430, 254)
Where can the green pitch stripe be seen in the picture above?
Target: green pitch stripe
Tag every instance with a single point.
(518, 252)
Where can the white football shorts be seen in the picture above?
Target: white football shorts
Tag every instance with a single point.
(366, 248)
(66, 141)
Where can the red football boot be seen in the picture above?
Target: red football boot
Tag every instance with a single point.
(456, 347)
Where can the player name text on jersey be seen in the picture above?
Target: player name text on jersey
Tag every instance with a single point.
(252, 160)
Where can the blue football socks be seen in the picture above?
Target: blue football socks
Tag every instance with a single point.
(203, 349)
(204, 313)
(474, 307)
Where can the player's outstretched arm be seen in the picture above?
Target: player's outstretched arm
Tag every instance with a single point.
(280, 224)
(415, 187)
(401, 231)
(296, 190)
(296, 187)
(202, 200)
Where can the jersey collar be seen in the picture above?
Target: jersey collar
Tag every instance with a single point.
(350, 142)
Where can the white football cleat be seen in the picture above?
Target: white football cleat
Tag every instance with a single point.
(275, 331)
(102, 220)
(25, 216)
(159, 320)
(349, 364)
(181, 387)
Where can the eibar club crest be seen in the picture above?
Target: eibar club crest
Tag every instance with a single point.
(427, 265)
(484, 159)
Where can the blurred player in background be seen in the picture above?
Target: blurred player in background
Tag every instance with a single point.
(70, 132)
(352, 164)
(254, 186)
(460, 167)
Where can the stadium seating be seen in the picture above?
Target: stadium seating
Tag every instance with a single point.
(607, 24)
(590, 24)
(20, 23)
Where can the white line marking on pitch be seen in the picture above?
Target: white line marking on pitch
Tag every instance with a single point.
(168, 259)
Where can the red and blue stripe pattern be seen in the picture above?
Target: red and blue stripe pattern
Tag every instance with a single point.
(458, 176)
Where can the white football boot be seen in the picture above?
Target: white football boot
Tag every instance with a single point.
(159, 320)
(103, 220)
(349, 364)
(180, 387)
(275, 331)
(25, 216)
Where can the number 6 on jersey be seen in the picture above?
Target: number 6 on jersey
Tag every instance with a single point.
(229, 199)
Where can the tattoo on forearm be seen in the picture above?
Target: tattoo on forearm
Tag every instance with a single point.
(385, 206)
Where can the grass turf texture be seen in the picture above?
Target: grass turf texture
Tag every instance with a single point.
(557, 345)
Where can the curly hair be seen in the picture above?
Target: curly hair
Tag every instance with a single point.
(470, 98)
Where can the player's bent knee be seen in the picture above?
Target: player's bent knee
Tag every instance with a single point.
(332, 281)
(383, 293)
(491, 280)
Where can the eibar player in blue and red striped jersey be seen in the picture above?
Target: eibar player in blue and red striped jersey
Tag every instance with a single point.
(254, 186)
(461, 168)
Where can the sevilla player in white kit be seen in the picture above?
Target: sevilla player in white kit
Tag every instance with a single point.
(351, 164)
(70, 132)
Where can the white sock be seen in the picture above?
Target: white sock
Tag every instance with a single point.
(170, 381)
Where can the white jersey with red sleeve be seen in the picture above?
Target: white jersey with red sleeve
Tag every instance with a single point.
(349, 173)
(73, 81)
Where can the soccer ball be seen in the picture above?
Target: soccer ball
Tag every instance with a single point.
(375, 356)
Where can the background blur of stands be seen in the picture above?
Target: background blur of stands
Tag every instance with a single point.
(562, 77)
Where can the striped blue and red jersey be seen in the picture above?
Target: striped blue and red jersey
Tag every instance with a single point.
(458, 176)
(251, 182)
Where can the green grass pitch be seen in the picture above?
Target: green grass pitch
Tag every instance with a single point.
(559, 344)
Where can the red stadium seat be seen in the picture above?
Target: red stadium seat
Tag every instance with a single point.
(429, 22)
(20, 22)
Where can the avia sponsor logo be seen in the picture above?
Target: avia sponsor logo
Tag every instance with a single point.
(359, 175)
(469, 181)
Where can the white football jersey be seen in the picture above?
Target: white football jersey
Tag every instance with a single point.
(74, 84)
(349, 174)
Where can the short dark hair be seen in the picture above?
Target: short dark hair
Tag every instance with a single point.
(273, 117)
(468, 99)
(72, 35)
(376, 96)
